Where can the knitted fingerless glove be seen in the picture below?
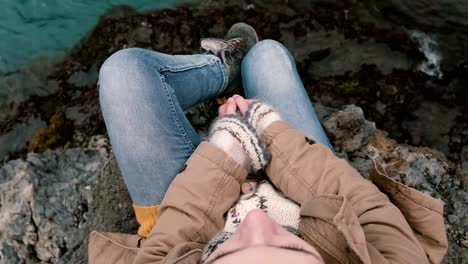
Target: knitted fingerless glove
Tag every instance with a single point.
(237, 138)
(260, 115)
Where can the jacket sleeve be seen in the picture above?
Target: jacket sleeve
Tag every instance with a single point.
(195, 203)
(346, 215)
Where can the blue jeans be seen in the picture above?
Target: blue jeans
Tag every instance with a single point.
(143, 95)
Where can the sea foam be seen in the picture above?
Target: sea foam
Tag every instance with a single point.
(429, 46)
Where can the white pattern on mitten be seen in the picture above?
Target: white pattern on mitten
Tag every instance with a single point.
(274, 203)
(260, 115)
(237, 138)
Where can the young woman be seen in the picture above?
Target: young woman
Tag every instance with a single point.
(191, 197)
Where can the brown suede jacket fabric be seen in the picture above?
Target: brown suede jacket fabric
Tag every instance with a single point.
(347, 218)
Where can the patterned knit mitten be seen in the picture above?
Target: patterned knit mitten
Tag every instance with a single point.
(238, 139)
(260, 115)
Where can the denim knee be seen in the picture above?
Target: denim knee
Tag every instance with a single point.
(117, 72)
(268, 53)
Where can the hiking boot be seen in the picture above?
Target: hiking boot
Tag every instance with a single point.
(231, 50)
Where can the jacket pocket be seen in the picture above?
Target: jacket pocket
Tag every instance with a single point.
(330, 225)
(115, 248)
(423, 213)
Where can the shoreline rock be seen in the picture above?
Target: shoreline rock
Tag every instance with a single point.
(51, 201)
(395, 99)
(44, 202)
(379, 74)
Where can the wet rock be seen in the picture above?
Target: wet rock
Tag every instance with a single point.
(348, 129)
(453, 219)
(380, 107)
(431, 122)
(465, 165)
(78, 114)
(446, 14)
(358, 54)
(101, 143)
(22, 133)
(408, 108)
(26, 81)
(142, 34)
(84, 79)
(363, 165)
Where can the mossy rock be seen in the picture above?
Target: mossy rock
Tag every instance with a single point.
(349, 87)
(56, 134)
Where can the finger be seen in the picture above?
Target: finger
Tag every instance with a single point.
(231, 106)
(239, 97)
(222, 110)
(242, 104)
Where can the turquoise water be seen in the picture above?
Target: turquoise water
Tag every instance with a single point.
(32, 28)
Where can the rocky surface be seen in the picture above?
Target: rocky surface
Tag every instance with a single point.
(421, 168)
(50, 202)
(346, 54)
(44, 204)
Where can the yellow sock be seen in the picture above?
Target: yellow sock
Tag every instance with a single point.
(146, 217)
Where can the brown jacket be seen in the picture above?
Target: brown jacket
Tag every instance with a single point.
(346, 217)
